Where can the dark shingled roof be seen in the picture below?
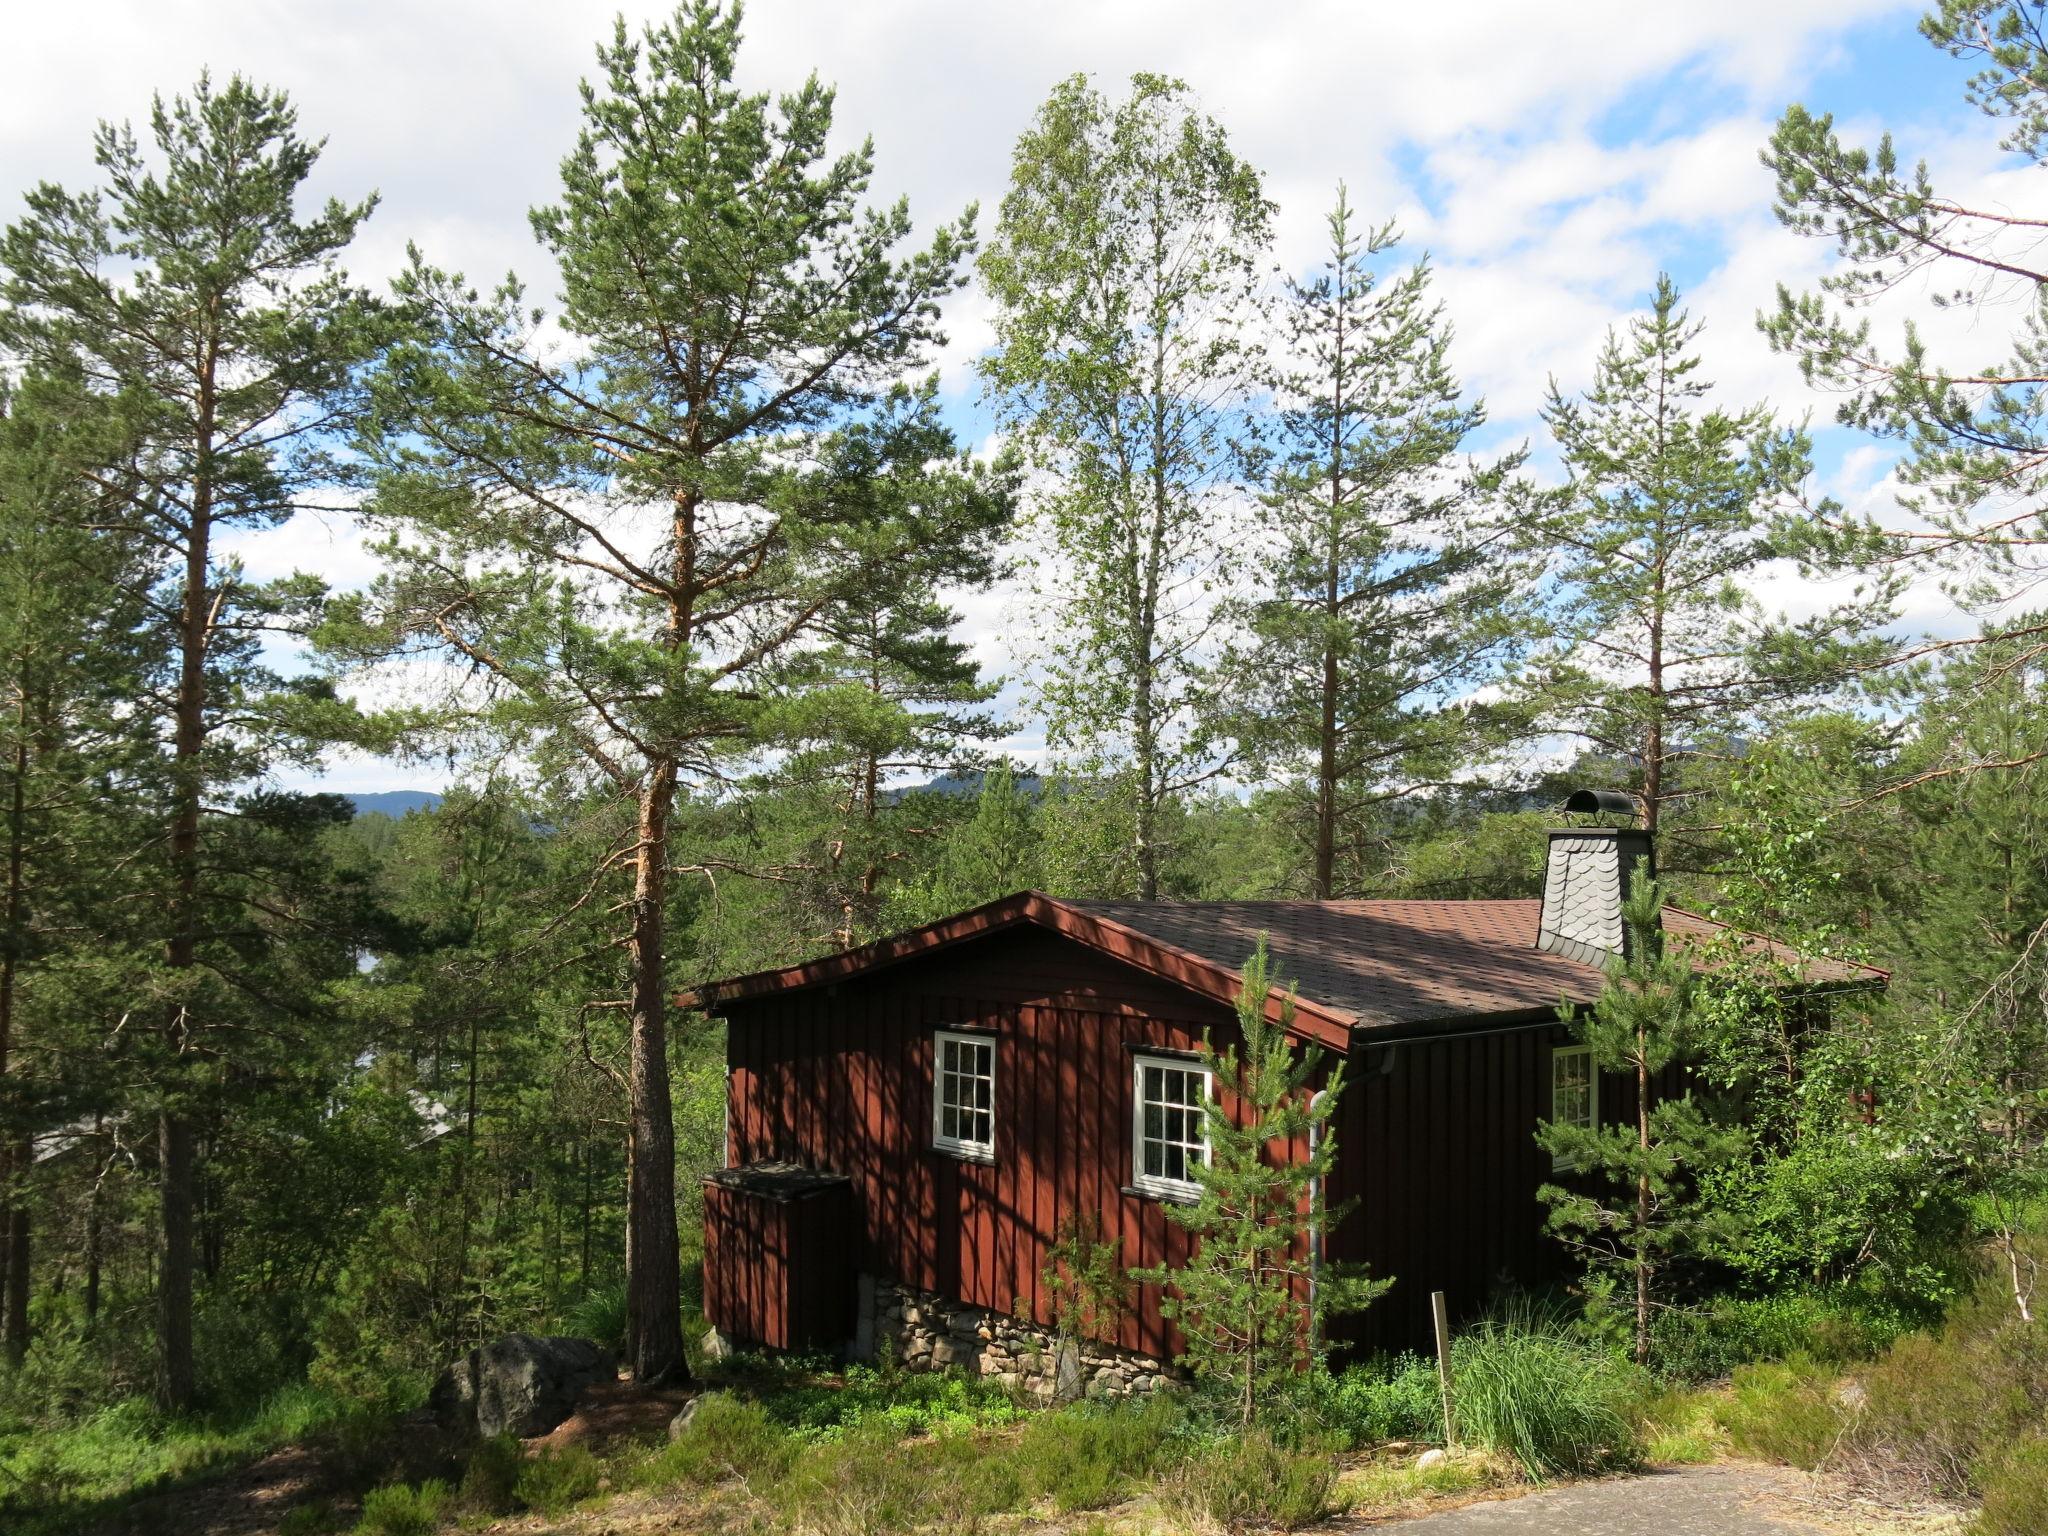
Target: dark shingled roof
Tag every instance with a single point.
(1418, 962)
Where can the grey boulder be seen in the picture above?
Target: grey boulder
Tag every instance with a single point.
(522, 1384)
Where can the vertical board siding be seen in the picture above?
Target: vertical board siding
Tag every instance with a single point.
(1436, 1153)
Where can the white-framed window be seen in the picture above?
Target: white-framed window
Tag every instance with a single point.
(1574, 1090)
(964, 1095)
(1169, 1140)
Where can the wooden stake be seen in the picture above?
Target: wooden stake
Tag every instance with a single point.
(1440, 1314)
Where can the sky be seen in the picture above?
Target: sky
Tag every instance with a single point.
(1552, 160)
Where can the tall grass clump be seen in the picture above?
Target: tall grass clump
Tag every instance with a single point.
(1097, 1454)
(399, 1510)
(869, 1481)
(726, 1438)
(600, 1316)
(1249, 1481)
(1553, 1403)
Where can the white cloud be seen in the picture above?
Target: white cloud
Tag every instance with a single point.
(1485, 129)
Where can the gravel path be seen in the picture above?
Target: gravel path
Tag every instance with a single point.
(1691, 1501)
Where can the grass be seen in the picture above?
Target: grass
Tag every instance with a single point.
(399, 1510)
(1388, 1485)
(57, 1476)
(1248, 1481)
(1551, 1402)
(1682, 1427)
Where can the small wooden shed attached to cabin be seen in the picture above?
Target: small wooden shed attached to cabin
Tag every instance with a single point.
(976, 1080)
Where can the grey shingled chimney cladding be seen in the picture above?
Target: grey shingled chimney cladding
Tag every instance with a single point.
(1585, 881)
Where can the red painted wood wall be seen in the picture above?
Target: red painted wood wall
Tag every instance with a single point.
(780, 1272)
(1438, 1148)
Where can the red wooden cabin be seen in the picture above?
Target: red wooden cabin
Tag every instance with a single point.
(977, 1079)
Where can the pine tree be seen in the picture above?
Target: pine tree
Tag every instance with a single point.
(1659, 653)
(1631, 1206)
(1973, 431)
(1390, 595)
(1124, 273)
(626, 539)
(195, 306)
(1252, 1298)
(888, 690)
(69, 669)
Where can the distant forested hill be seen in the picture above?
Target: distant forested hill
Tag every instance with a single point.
(395, 802)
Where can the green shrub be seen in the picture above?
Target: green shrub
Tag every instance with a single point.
(1396, 1398)
(868, 1481)
(727, 1437)
(1784, 1412)
(1551, 1402)
(2015, 1484)
(398, 1510)
(1707, 1342)
(1937, 1404)
(909, 1402)
(490, 1480)
(317, 1518)
(600, 1316)
(1250, 1482)
(1094, 1455)
(554, 1481)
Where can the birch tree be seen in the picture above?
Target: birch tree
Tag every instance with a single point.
(1125, 271)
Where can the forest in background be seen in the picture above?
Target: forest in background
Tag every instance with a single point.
(673, 559)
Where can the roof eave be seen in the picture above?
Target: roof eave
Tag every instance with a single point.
(1312, 1021)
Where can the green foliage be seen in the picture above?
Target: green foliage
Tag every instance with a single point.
(1085, 1279)
(599, 1314)
(1657, 650)
(553, 1481)
(1721, 1333)
(1972, 426)
(1388, 596)
(1243, 1300)
(870, 1481)
(905, 1402)
(1785, 1412)
(491, 1475)
(1094, 1455)
(2015, 1489)
(1124, 271)
(1386, 1398)
(727, 1437)
(1250, 1482)
(403, 1510)
(1631, 1205)
(1557, 1404)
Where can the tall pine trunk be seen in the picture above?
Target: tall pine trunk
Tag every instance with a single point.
(1642, 1234)
(176, 1140)
(654, 1265)
(15, 1156)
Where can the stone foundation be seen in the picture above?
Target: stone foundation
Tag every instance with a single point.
(926, 1332)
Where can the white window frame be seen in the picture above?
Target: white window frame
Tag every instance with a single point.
(1563, 1053)
(974, 1151)
(1152, 1183)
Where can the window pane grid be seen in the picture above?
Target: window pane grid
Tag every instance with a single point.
(1574, 1093)
(963, 1095)
(1172, 1139)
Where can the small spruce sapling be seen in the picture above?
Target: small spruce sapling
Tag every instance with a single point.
(1633, 1207)
(1252, 1298)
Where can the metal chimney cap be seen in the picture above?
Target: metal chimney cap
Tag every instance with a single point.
(1599, 802)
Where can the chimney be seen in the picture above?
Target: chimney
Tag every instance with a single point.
(1586, 878)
